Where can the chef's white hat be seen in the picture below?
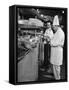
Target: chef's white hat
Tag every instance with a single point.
(56, 20)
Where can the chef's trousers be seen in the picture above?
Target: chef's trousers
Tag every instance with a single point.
(56, 71)
(47, 49)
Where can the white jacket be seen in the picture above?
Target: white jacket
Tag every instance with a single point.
(49, 33)
(57, 43)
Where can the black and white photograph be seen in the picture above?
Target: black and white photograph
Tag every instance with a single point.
(40, 40)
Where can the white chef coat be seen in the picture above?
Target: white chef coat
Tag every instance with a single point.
(57, 43)
(49, 33)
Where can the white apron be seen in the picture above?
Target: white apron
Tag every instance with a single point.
(57, 43)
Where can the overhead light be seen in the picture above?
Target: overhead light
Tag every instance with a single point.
(42, 15)
(62, 11)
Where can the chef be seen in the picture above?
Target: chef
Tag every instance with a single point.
(47, 35)
(57, 43)
(49, 31)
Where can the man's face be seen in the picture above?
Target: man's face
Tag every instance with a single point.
(48, 25)
(55, 28)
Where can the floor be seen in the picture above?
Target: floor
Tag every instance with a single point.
(44, 75)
